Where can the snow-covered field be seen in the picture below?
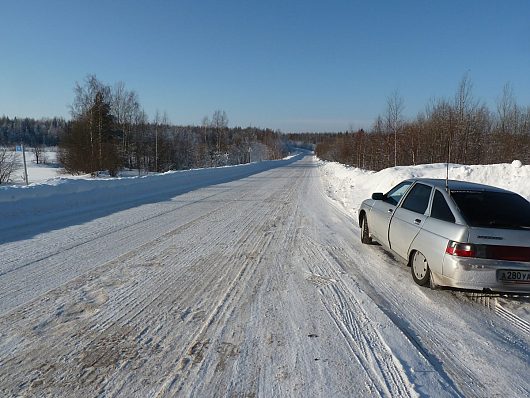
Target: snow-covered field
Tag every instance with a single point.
(37, 173)
(237, 281)
(47, 169)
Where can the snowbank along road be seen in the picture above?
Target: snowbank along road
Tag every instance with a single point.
(256, 286)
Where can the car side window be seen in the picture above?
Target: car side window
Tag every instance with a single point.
(440, 209)
(394, 195)
(418, 199)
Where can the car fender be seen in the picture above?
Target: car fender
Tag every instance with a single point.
(433, 238)
(365, 208)
(432, 246)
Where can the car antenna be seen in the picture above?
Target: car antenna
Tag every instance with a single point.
(447, 178)
(447, 165)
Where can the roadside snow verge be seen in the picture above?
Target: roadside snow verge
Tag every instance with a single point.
(349, 186)
(26, 205)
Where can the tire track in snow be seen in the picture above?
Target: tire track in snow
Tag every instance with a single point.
(358, 329)
(192, 355)
(136, 251)
(58, 267)
(5, 269)
(50, 271)
(490, 301)
(458, 371)
(383, 303)
(140, 309)
(196, 341)
(512, 318)
(105, 328)
(185, 379)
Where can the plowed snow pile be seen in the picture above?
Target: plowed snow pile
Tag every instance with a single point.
(350, 186)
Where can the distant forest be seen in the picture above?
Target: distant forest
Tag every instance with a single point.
(175, 143)
(110, 131)
(30, 132)
(461, 130)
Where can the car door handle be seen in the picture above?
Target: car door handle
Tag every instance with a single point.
(417, 221)
(390, 210)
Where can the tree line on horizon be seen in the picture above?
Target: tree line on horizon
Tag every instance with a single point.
(30, 132)
(460, 130)
(110, 131)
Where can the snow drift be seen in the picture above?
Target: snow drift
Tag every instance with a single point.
(349, 186)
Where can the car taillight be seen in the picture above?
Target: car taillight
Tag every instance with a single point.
(460, 249)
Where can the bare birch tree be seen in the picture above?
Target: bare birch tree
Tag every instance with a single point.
(394, 118)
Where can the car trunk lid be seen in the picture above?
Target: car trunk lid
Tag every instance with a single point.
(501, 243)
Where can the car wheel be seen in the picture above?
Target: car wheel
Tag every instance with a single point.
(365, 232)
(421, 273)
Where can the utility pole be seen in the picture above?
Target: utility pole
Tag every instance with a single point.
(156, 147)
(25, 167)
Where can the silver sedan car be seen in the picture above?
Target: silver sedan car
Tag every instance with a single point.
(453, 233)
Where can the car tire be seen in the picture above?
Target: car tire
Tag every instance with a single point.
(365, 232)
(421, 273)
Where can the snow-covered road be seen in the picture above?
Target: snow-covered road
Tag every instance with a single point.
(254, 287)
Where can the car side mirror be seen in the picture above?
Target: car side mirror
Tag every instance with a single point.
(378, 196)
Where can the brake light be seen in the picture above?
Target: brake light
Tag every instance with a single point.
(460, 249)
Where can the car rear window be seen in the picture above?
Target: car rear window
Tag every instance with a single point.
(493, 209)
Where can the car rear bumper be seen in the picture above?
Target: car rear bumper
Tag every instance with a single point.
(480, 274)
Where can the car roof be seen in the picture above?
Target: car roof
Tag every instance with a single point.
(456, 185)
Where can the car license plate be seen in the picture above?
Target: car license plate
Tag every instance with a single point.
(508, 276)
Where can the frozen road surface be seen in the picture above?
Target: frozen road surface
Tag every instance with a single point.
(249, 286)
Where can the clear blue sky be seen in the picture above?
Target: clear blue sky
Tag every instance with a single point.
(289, 65)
